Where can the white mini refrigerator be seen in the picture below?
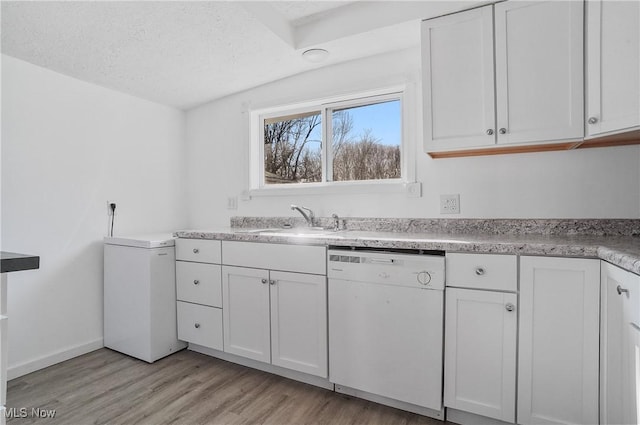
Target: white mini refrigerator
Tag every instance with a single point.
(140, 296)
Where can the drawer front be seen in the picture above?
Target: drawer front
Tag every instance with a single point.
(293, 258)
(200, 325)
(482, 271)
(199, 250)
(199, 283)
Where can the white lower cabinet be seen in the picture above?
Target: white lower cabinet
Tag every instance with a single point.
(276, 317)
(558, 341)
(554, 322)
(631, 375)
(245, 303)
(480, 352)
(200, 324)
(619, 346)
(299, 322)
(481, 325)
(199, 292)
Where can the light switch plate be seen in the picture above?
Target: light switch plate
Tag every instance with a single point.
(450, 204)
(232, 203)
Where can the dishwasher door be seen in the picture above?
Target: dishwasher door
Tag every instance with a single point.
(387, 340)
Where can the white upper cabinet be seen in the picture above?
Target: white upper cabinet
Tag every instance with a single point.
(534, 94)
(539, 71)
(457, 54)
(613, 67)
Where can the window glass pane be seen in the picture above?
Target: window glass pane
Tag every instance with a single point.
(293, 148)
(366, 142)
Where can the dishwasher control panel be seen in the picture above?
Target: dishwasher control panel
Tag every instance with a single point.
(398, 269)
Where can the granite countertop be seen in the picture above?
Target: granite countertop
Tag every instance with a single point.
(621, 250)
(13, 262)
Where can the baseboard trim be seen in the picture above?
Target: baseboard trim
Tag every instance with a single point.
(20, 369)
(425, 411)
(466, 418)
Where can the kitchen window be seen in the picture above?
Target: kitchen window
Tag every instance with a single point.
(340, 142)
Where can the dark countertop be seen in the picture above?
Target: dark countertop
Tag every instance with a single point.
(13, 262)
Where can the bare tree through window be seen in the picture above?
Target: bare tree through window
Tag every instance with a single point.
(293, 149)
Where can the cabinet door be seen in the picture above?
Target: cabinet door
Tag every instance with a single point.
(480, 352)
(458, 80)
(559, 340)
(631, 375)
(299, 322)
(619, 346)
(539, 71)
(613, 66)
(245, 310)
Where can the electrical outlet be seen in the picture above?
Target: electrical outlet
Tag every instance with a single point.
(414, 190)
(450, 204)
(232, 203)
(109, 210)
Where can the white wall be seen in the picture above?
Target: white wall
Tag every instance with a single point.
(590, 183)
(68, 147)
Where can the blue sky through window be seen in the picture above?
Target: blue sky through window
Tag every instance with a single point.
(383, 119)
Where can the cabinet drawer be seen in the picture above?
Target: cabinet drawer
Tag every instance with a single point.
(199, 250)
(482, 271)
(199, 283)
(294, 258)
(200, 325)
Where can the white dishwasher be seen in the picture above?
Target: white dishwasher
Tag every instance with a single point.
(386, 326)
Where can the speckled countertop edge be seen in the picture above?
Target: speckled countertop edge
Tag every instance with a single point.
(622, 251)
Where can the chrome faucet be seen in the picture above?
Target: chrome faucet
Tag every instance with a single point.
(308, 216)
(336, 222)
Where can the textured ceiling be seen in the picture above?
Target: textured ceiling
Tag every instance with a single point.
(186, 53)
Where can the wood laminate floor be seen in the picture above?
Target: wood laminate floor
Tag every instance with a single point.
(106, 387)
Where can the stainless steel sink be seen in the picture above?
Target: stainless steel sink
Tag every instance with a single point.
(253, 230)
(293, 231)
(299, 231)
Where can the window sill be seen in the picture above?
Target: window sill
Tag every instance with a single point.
(411, 189)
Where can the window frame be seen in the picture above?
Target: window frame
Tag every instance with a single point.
(406, 182)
